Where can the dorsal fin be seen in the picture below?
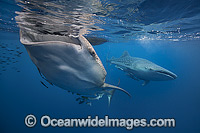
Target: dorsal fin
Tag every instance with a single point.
(125, 54)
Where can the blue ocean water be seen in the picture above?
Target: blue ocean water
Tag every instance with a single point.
(21, 92)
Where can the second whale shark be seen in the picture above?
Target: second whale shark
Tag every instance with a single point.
(142, 69)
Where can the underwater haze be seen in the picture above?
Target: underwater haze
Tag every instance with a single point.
(164, 32)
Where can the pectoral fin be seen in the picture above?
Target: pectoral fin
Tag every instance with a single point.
(108, 86)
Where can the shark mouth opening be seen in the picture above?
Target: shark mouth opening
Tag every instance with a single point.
(168, 74)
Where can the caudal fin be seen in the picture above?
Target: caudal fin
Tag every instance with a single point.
(110, 94)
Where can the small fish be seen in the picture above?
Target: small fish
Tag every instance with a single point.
(78, 99)
(89, 103)
(81, 101)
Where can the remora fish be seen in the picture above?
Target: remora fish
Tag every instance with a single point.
(69, 63)
(142, 69)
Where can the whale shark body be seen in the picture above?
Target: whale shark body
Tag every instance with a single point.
(142, 69)
(69, 63)
(56, 45)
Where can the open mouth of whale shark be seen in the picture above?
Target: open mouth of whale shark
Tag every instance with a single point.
(169, 74)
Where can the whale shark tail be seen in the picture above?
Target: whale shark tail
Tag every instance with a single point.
(110, 94)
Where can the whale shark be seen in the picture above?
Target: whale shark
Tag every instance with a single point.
(69, 63)
(59, 44)
(141, 69)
